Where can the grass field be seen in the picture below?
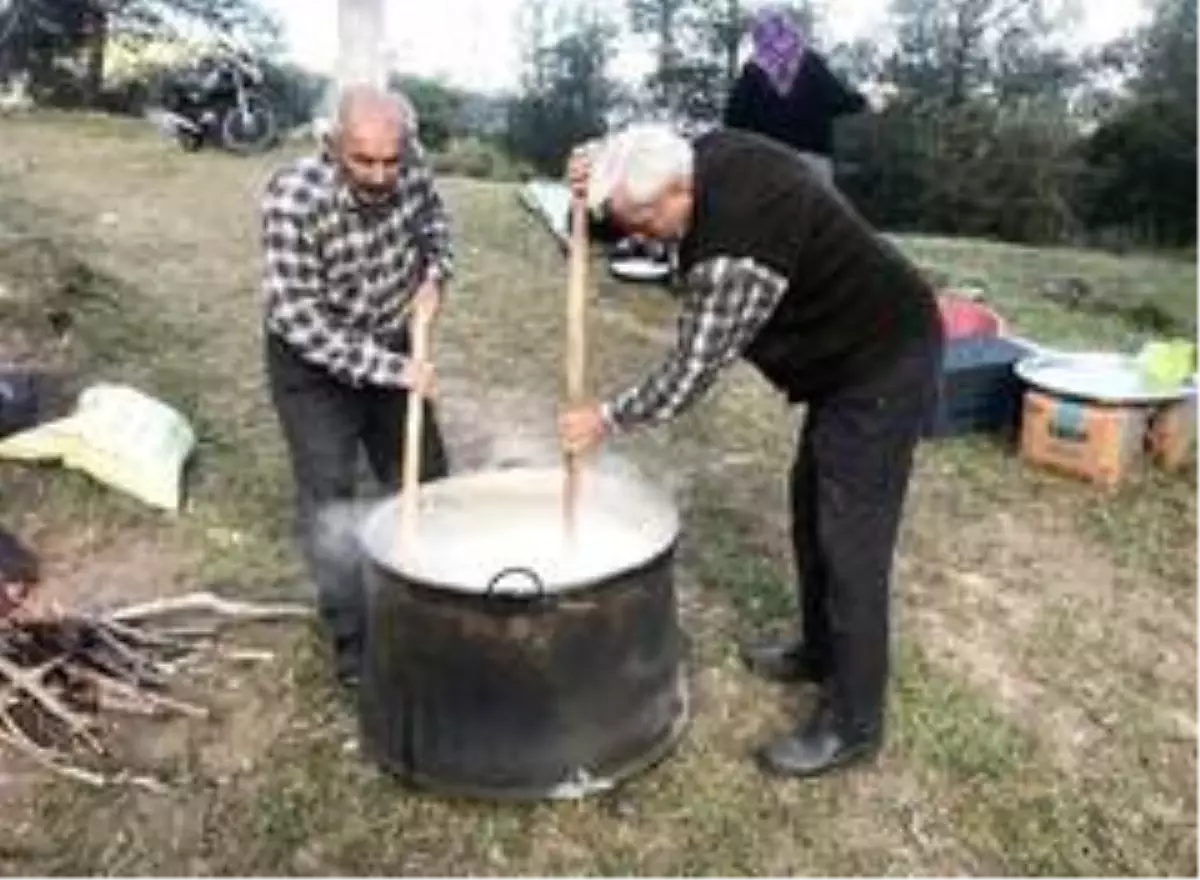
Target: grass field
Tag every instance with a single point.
(1043, 713)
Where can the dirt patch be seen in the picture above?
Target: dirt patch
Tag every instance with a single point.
(42, 293)
(1017, 599)
(983, 656)
(241, 680)
(93, 568)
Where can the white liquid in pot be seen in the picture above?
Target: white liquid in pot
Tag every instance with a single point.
(474, 527)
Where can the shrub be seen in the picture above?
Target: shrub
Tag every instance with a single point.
(480, 159)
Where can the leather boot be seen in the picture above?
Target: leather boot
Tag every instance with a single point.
(783, 660)
(347, 660)
(821, 744)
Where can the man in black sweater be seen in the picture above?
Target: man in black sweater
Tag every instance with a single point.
(780, 271)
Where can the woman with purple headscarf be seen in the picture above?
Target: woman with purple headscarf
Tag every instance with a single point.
(787, 92)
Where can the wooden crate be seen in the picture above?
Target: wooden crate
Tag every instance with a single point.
(1103, 444)
(1172, 435)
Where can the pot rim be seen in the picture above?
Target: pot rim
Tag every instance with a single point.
(639, 490)
(525, 600)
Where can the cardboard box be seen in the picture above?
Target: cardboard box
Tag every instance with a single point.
(1172, 435)
(1103, 444)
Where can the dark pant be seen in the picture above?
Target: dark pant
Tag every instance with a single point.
(849, 482)
(325, 422)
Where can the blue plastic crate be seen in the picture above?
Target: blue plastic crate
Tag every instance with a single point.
(979, 392)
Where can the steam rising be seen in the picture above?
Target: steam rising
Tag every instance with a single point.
(508, 431)
(624, 516)
(475, 526)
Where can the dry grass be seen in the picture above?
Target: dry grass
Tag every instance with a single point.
(1043, 714)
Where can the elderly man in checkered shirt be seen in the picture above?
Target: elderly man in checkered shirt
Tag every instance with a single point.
(779, 270)
(355, 241)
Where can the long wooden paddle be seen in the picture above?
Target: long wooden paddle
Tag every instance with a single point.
(413, 427)
(576, 348)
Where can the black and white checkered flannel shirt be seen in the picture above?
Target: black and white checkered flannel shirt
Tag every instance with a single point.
(339, 276)
(726, 301)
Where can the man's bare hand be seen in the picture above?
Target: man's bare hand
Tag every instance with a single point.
(427, 301)
(581, 428)
(579, 168)
(419, 378)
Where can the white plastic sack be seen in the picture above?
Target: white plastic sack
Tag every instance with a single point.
(121, 438)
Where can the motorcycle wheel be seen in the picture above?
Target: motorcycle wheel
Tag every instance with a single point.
(252, 132)
(190, 141)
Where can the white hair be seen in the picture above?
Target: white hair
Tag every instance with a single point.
(642, 159)
(326, 125)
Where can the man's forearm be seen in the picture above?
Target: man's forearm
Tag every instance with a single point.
(438, 254)
(730, 300)
(665, 393)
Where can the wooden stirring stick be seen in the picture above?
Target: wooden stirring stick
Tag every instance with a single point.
(414, 417)
(576, 349)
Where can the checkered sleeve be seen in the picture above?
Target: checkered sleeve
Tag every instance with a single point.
(432, 220)
(727, 301)
(294, 281)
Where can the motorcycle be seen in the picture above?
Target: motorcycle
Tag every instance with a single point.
(219, 102)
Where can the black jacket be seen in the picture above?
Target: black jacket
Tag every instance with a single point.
(803, 118)
(853, 304)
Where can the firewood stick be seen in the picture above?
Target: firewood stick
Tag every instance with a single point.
(213, 604)
(185, 637)
(140, 668)
(167, 639)
(576, 347)
(121, 705)
(30, 682)
(131, 692)
(248, 655)
(15, 738)
(147, 677)
(48, 759)
(414, 417)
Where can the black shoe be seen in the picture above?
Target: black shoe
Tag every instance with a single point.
(819, 746)
(347, 661)
(783, 660)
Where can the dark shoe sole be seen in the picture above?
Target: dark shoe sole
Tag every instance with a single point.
(847, 760)
(777, 675)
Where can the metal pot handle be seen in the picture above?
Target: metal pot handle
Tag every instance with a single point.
(529, 573)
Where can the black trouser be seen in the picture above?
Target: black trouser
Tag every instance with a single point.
(325, 424)
(849, 482)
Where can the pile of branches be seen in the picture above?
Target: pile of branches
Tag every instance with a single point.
(61, 671)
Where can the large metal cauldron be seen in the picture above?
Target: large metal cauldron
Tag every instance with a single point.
(503, 661)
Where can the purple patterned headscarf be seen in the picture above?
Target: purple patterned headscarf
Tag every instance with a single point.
(778, 46)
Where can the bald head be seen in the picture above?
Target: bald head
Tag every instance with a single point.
(371, 130)
(363, 106)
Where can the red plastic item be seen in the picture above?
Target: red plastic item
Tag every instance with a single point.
(963, 318)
